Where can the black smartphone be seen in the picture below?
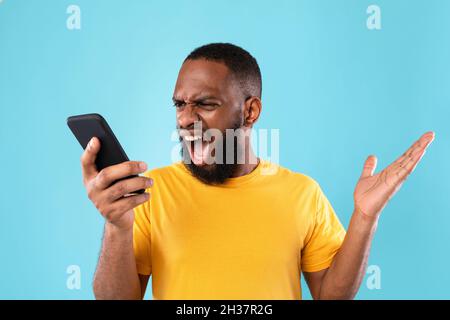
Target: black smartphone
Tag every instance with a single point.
(87, 126)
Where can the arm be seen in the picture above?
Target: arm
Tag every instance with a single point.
(116, 276)
(343, 278)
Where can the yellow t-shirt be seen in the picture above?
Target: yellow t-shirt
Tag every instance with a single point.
(247, 239)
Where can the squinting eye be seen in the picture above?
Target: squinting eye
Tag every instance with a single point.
(208, 106)
(178, 104)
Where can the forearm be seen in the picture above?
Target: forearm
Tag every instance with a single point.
(347, 271)
(116, 276)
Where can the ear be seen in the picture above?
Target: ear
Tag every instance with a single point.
(252, 110)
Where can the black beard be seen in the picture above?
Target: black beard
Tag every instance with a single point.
(216, 173)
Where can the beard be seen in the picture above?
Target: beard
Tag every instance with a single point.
(215, 173)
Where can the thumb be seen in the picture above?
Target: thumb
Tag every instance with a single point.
(369, 166)
(88, 159)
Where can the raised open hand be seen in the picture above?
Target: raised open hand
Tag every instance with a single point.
(373, 191)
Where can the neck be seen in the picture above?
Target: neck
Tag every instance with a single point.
(251, 162)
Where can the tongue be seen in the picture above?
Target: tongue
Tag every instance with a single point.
(199, 151)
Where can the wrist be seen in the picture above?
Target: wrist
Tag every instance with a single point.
(366, 219)
(118, 231)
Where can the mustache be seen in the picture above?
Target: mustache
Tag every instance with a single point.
(196, 128)
(185, 132)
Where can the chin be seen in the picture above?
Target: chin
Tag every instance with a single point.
(211, 174)
(205, 166)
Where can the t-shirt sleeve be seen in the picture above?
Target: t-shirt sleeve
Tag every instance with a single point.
(325, 239)
(142, 238)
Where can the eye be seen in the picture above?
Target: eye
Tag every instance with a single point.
(178, 104)
(207, 105)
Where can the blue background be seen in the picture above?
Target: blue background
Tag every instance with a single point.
(336, 90)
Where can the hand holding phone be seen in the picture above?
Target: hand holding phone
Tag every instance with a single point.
(108, 189)
(111, 180)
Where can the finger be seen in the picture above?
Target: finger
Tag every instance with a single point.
(405, 170)
(422, 143)
(107, 176)
(88, 157)
(410, 157)
(123, 205)
(418, 145)
(369, 166)
(428, 138)
(127, 186)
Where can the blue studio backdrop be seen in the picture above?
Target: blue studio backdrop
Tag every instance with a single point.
(337, 85)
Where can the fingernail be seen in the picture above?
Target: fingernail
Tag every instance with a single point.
(143, 166)
(149, 182)
(90, 143)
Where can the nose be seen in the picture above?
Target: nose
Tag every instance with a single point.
(187, 116)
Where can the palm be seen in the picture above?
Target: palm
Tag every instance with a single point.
(373, 191)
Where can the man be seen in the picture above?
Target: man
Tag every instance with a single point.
(230, 229)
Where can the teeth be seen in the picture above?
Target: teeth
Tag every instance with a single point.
(192, 138)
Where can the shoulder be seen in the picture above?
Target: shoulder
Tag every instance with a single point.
(297, 185)
(289, 176)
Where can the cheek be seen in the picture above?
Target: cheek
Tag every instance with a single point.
(212, 119)
(222, 119)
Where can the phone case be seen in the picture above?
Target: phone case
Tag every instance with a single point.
(86, 126)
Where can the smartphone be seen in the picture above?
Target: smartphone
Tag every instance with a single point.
(87, 126)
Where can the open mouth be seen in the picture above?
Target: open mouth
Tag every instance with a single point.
(199, 149)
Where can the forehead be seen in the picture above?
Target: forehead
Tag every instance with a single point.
(202, 77)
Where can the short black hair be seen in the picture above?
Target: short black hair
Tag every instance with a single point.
(240, 62)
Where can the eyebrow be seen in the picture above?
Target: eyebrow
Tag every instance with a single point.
(199, 99)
